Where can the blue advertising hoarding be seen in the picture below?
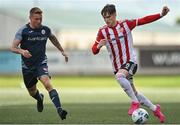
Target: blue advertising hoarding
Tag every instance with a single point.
(9, 62)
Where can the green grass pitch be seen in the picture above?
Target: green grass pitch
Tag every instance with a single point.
(89, 100)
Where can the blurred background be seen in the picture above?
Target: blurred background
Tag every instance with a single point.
(76, 23)
(88, 80)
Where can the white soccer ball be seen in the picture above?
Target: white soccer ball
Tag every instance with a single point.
(140, 116)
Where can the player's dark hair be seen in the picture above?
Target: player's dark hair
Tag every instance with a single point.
(35, 10)
(108, 9)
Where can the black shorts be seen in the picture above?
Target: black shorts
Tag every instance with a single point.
(130, 67)
(31, 75)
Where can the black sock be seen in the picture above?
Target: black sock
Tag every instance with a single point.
(37, 96)
(55, 99)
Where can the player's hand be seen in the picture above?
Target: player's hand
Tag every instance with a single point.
(26, 54)
(165, 10)
(102, 43)
(65, 56)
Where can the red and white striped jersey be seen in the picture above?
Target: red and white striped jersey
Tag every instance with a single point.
(120, 41)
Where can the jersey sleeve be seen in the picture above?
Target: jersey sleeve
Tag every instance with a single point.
(100, 36)
(141, 21)
(18, 35)
(148, 19)
(50, 33)
(131, 23)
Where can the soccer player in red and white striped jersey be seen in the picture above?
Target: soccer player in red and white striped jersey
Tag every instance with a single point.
(117, 38)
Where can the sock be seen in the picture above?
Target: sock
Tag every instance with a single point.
(55, 99)
(145, 101)
(125, 84)
(37, 96)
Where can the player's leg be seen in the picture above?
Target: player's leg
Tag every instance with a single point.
(121, 77)
(34, 92)
(143, 99)
(53, 95)
(30, 83)
(125, 84)
(45, 80)
(146, 102)
(52, 92)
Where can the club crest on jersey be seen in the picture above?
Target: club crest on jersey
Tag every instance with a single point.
(43, 31)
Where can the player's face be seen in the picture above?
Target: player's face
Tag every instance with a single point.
(36, 20)
(110, 19)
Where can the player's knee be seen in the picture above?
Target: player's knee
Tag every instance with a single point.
(119, 76)
(44, 78)
(48, 86)
(32, 91)
(46, 82)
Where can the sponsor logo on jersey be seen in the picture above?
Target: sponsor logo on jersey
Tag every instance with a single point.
(37, 38)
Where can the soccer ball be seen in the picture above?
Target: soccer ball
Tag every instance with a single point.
(140, 116)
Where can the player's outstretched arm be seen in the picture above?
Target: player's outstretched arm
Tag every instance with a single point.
(17, 50)
(56, 43)
(152, 18)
